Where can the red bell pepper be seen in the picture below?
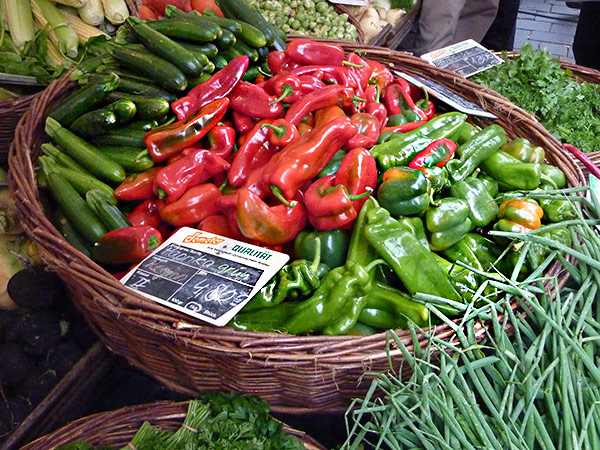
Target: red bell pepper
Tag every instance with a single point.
(137, 186)
(252, 100)
(242, 122)
(327, 114)
(310, 83)
(438, 153)
(196, 204)
(358, 173)
(398, 99)
(329, 96)
(380, 75)
(305, 51)
(266, 224)
(252, 154)
(281, 132)
(359, 71)
(405, 127)
(221, 140)
(286, 86)
(217, 86)
(275, 61)
(368, 127)
(146, 213)
(330, 74)
(195, 168)
(165, 141)
(299, 162)
(127, 245)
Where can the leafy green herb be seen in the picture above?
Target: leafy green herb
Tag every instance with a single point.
(402, 4)
(537, 83)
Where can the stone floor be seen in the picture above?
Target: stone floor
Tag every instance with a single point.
(547, 24)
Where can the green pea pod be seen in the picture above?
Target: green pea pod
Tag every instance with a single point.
(510, 173)
(483, 207)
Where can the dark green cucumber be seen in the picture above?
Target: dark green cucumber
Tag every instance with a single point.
(173, 12)
(83, 100)
(94, 123)
(262, 53)
(124, 110)
(230, 53)
(209, 67)
(226, 40)
(133, 86)
(109, 213)
(132, 159)
(74, 207)
(70, 233)
(144, 125)
(84, 153)
(245, 49)
(122, 137)
(159, 69)
(244, 12)
(200, 54)
(251, 74)
(165, 47)
(199, 80)
(62, 158)
(146, 107)
(208, 49)
(220, 62)
(187, 30)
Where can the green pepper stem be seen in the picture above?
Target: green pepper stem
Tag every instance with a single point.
(286, 91)
(365, 194)
(351, 64)
(358, 99)
(141, 154)
(279, 131)
(161, 193)
(314, 267)
(374, 263)
(223, 185)
(279, 195)
(548, 180)
(377, 94)
(266, 74)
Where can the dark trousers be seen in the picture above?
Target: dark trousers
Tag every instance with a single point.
(586, 44)
(501, 35)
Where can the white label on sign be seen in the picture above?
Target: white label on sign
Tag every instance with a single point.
(205, 275)
(350, 2)
(466, 58)
(450, 98)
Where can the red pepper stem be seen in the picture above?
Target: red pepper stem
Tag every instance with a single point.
(162, 194)
(153, 243)
(351, 64)
(279, 131)
(279, 196)
(286, 91)
(314, 267)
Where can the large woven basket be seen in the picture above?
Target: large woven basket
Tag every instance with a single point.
(11, 110)
(293, 373)
(116, 428)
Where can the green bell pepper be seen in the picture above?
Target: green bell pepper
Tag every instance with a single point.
(483, 207)
(334, 246)
(556, 210)
(476, 150)
(333, 165)
(476, 251)
(388, 308)
(404, 191)
(414, 264)
(537, 252)
(490, 184)
(465, 133)
(464, 281)
(553, 176)
(402, 150)
(509, 172)
(522, 149)
(447, 223)
(396, 119)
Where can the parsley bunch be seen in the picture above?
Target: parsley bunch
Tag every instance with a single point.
(537, 83)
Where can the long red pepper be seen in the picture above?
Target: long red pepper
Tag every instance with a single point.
(306, 51)
(167, 140)
(137, 186)
(405, 127)
(242, 122)
(253, 153)
(438, 153)
(127, 245)
(299, 162)
(217, 86)
(286, 86)
(281, 132)
(367, 126)
(380, 75)
(196, 204)
(221, 140)
(146, 213)
(358, 173)
(332, 95)
(374, 106)
(359, 71)
(252, 100)
(330, 74)
(398, 99)
(254, 184)
(309, 83)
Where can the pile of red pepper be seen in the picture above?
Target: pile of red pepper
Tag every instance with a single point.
(243, 159)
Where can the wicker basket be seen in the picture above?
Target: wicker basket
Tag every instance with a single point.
(118, 427)
(293, 373)
(11, 110)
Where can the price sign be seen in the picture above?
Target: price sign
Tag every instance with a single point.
(205, 275)
(466, 58)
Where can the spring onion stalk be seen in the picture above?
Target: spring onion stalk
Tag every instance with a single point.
(20, 22)
(48, 14)
(92, 12)
(115, 11)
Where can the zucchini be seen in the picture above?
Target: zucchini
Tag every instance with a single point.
(70, 233)
(220, 62)
(245, 49)
(83, 100)
(208, 48)
(226, 40)
(124, 110)
(125, 137)
(94, 123)
(84, 153)
(132, 159)
(141, 86)
(198, 50)
(61, 157)
(186, 30)
(173, 12)
(146, 107)
(241, 10)
(199, 80)
(144, 125)
(109, 213)
(230, 53)
(251, 74)
(209, 67)
(166, 48)
(160, 70)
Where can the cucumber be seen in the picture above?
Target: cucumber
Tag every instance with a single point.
(84, 153)
(166, 48)
(251, 74)
(124, 110)
(83, 100)
(144, 125)
(230, 53)
(146, 107)
(245, 49)
(227, 24)
(220, 62)
(241, 10)
(94, 123)
(208, 49)
(199, 80)
(160, 70)
(187, 30)
(209, 67)
(226, 40)
(200, 55)
(124, 137)
(110, 215)
(141, 86)
(132, 159)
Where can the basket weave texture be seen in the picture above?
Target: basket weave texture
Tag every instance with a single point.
(11, 110)
(118, 427)
(293, 373)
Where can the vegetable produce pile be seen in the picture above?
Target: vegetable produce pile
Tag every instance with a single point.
(327, 156)
(537, 83)
(220, 420)
(531, 383)
(375, 15)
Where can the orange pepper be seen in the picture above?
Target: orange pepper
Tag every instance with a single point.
(519, 215)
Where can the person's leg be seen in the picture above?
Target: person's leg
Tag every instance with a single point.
(436, 25)
(501, 35)
(475, 20)
(586, 44)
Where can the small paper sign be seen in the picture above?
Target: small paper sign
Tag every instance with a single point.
(466, 58)
(204, 275)
(450, 98)
(350, 2)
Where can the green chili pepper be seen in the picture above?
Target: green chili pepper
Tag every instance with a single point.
(553, 176)
(490, 184)
(537, 253)
(509, 172)
(483, 207)
(397, 119)
(464, 281)
(333, 165)
(334, 246)
(447, 223)
(465, 133)
(267, 319)
(556, 210)
(361, 329)
(522, 149)
(476, 251)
